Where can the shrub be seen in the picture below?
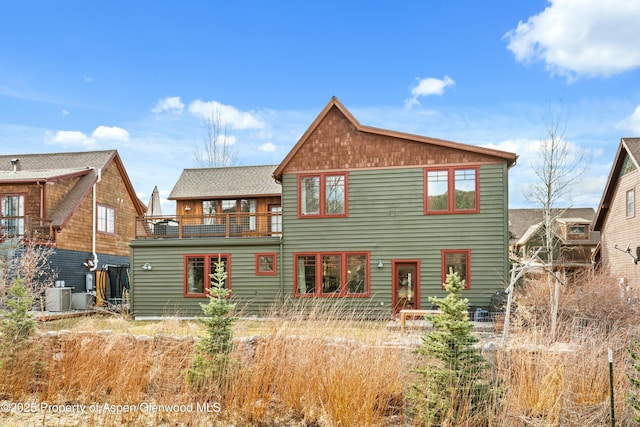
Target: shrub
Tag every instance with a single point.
(18, 324)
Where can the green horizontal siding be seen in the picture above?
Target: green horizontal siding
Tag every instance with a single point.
(159, 292)
(386, 219)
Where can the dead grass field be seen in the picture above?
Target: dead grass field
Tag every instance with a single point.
(320, 369)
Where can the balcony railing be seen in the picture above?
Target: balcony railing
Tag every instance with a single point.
(240, 224)
(26, 227)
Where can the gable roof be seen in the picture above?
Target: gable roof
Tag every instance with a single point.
(510, 158)
(230, 182)
(47, 167)
(628, 147)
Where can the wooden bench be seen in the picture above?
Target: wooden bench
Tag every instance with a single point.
(423, 313)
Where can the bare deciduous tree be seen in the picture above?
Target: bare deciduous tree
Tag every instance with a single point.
(558, 165)
(217, 149)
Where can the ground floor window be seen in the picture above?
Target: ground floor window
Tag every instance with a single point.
(458, 261)
(197, 273)
(332, 274)
(266, 264)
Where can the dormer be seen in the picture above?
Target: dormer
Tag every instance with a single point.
(574, 228)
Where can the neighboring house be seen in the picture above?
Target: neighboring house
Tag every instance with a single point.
(618, 218)
(213, 192)
(372, 217)
(53, 198)
(574, 242)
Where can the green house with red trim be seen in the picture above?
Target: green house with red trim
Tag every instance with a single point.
(371, 217)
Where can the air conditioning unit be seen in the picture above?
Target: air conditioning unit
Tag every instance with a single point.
(81, 300)
(57, 299)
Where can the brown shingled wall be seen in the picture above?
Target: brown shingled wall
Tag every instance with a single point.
(337, 144)
(112, 192)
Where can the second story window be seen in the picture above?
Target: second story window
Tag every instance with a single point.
(12, 223)
(106, 219)
(322, 195)
(452, 190)
(631, 203)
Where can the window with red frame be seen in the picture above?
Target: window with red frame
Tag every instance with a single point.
(266, 264)
(197, 273)
(322, 195)
(332, 274)
(452, 190)
(457, 261)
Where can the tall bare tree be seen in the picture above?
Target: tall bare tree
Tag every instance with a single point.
(217, 149)
(558, 165)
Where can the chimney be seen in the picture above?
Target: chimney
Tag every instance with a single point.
(16, 164)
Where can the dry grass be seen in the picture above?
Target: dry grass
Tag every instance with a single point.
(323, 367)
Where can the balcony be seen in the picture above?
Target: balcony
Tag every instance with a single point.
(26, 227)
(236, 225)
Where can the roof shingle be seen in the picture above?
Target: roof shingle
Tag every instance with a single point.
(234, 181)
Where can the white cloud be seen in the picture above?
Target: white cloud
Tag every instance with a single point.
(431, 86)
(229, 116)
(87, 79)
(426, 87)
(110, 133)
(580, 37)
(632, 122)
(171, 105)
(65, 113)
(72, 138)
(267, 147)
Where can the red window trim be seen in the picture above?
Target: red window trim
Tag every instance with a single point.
(451, 189)
(115, 219)
(207, 266)
(322, 195)
(444, 253)
(275, 264)
(343, 276)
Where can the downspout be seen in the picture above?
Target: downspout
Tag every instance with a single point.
(94, 267)
(281, 272)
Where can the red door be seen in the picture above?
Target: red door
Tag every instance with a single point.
(405, 285)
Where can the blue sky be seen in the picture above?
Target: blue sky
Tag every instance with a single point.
(139, 76)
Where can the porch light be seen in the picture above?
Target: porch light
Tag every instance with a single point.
(380, 264)
(146, 266)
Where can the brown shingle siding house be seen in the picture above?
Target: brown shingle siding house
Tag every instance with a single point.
(618, 216)
(83, 203)
(574, 240)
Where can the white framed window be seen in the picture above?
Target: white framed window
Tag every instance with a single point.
(106, 219)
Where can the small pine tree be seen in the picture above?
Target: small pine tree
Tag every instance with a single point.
(212, 359)
(633, 396)
(17, 325)
(452, 386)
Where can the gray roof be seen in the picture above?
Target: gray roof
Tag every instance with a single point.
(38, 175)
(521, 220)
(51, 166)
(234, 181)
